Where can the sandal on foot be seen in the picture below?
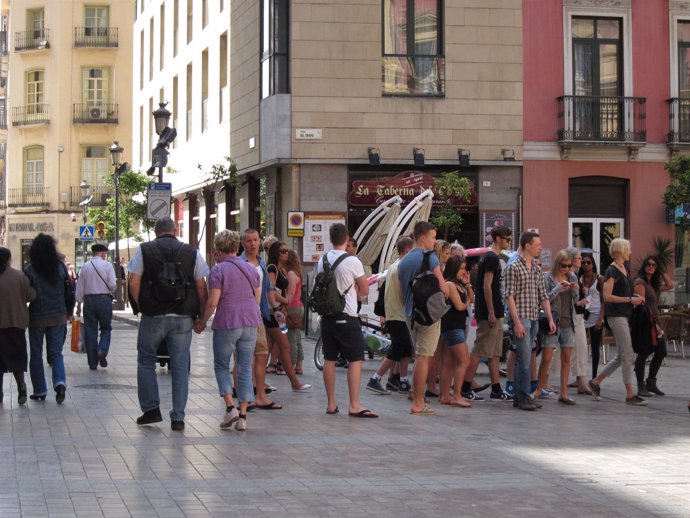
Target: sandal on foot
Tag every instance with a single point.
(271, 369)
(333, 412)
(299, 372)
(427, 410)
(366, 413)
(270, 406)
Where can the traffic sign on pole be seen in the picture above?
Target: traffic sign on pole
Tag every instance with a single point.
(86, 233)
(158, 205)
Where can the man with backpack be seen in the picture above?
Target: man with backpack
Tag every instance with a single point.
(340, 281)
(401, 343)
(168, 285)
(425, 331)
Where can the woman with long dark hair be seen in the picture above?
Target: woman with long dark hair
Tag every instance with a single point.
(279, 281)
(592, 286)
(453, 331)
(295, 308)
(48, 315)
(14, 319)
(648, 284)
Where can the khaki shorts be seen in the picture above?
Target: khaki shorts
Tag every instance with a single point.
(489, 341)
(425, 338)
(261, 342)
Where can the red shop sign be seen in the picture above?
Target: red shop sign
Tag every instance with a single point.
(408, 185)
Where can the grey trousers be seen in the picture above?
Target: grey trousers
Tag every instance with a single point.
(624, 357)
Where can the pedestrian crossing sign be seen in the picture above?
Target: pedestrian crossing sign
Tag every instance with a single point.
(86, 232)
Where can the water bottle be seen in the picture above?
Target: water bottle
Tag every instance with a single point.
(280, 318)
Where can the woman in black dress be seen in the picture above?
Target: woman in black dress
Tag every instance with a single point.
(14, 319)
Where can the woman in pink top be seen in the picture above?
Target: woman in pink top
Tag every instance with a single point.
(295, 308)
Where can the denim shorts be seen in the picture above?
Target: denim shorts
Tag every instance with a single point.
(564, 336)
(454, 337)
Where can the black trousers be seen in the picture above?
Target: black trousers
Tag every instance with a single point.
(659, 353)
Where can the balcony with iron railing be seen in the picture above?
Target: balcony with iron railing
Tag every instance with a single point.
(30, 114)
(678, 122)
(95, 113)
(28, 197)
(3, 202)
(600, 120)
(96, 37)
(32, 40)
(100, 192)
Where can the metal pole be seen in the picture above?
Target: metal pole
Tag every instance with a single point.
(118, 304)
(83, 259)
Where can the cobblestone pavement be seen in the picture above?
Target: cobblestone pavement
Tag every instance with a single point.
(89, 458)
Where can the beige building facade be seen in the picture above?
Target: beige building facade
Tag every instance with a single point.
(319, 90)
(68, 97)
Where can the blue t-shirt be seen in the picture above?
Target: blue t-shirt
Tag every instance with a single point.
(408, 268)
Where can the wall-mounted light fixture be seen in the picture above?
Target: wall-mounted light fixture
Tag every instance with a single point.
(374, 156)
(508, 153)
(464, 157)
(418, 155)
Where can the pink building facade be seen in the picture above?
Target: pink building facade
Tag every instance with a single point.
(604, 108)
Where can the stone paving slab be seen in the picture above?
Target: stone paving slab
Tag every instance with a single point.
(89, 458)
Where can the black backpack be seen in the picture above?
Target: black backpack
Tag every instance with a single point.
(171, 282)
(380, 304)
(325, 298)
(429, 301)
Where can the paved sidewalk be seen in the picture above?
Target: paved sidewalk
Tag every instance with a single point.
(89, 458)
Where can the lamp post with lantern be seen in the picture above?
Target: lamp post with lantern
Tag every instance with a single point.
(86, 197)
(116, 160)
(166, 136)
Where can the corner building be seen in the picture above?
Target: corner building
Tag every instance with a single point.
(68, 97)
(606, 105)
(330, 102)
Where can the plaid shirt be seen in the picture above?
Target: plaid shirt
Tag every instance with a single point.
(526, 286)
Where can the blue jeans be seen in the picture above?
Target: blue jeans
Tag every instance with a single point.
(243, 340)
(55, 339)
(523, 356)
(177, 333)
(98, 312)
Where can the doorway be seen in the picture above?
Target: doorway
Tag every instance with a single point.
(595, 234)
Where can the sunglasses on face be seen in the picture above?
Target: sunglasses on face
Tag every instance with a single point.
(566, 265)
(651, 265)
(587, 262)
(508, 239)
(283, 250)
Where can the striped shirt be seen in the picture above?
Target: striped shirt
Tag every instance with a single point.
(526, 287)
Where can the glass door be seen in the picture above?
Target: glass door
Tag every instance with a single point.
(596, 235)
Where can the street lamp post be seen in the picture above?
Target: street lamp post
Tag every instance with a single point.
(116, 159)
(159, 155)
(84, 189)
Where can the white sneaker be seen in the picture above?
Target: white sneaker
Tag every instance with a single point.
(241, 425)
(229, 418)
(303, 388)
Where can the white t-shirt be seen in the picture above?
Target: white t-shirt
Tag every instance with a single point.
(346, 274)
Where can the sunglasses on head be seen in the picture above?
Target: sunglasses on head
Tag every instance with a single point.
(566, 265)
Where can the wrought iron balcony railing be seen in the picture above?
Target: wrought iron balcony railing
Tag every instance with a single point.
(27, 197)
(100, 193)
(601, 119)
(32, 40)
(678, 121)
(95, 37)
(31, 114)
(90, 113)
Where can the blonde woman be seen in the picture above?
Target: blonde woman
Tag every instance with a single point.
(562, 289)
(295, 308)
(619, 301)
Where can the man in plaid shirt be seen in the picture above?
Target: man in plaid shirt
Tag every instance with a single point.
(524, 286)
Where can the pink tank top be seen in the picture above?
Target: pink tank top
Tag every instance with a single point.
(297, 298)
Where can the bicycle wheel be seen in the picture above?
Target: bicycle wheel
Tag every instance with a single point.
(318, 354)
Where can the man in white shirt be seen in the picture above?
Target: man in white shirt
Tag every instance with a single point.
(94, 288)
(342, 333)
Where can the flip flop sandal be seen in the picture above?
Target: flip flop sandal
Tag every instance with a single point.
(270, 406)
(333, 412)
(427, 410)
(271, 369)
(366, 413)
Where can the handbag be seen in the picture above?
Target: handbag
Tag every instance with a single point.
(544, 321)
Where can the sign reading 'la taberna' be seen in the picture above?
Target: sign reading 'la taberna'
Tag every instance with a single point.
(407, 185)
